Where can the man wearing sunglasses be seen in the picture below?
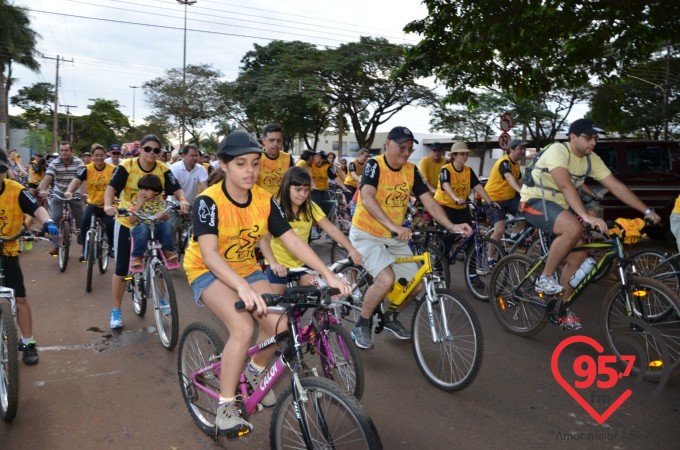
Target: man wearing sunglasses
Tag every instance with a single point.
(123, 184)
(431, 165)
(114, 155)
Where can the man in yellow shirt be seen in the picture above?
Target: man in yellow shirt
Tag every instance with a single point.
(431, 165)
(273, 162)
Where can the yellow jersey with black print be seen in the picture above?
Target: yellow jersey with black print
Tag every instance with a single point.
(272, 170)
(96, 181)
(126, 177)
(302, 226)
(15, 201)
(356, 167)
(461, 183)
(238, 228)
(322, 175)
(498, 187)
(393, 190)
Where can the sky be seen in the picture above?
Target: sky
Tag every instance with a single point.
(117, 44)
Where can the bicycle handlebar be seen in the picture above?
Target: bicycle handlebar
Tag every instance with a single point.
(292, 297)
(32, 235)
(60, 196)
(144, 216)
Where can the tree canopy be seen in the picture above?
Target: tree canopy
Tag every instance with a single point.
(37, 101)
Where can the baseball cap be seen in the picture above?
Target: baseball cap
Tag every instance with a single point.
(401, 135)
(460, 147)
(584, 126)
(322, 154)
(436, 146)
(515, 142)
(238, 143)
(114, 148)
(4, 162)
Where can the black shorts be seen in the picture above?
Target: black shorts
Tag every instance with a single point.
(458, 216)
(536, 215)
(14, 278)
(122, 245)
(506, 207)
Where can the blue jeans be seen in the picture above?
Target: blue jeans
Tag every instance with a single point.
(142, 233)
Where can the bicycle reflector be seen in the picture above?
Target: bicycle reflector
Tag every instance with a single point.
(655, 364)
(640, 293)
(501, 302)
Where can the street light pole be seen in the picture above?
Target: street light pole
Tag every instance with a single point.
(184, 67)
(665, 104)
(134, 88)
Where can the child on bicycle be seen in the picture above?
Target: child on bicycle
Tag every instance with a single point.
(301, 213)
(229, 219)
(150, 201)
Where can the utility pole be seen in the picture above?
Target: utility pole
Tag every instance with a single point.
(664, 90)
(341, 131)
(134, 88)
(69, 121)
(184, 69)
(55, 112)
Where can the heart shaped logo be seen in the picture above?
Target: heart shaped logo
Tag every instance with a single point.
(599, 418)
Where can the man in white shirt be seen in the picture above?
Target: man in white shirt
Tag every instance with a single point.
(191, 176)
(114, 155)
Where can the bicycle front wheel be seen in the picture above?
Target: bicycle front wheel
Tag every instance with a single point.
(647, 327)
(199, 348)
(514, 301)
(102, 248)
(340, 358)
(478, 265)
(9, 364)
(655, 263)
(330, 418)
(64, 245)
(164, 306)
(137, 289)
(89, 244)
(447, 344)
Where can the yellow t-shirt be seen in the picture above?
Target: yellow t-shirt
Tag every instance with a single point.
(272, 170)
(302, 228)
(559, 155)
(320, 176)
(430, 169)
(498, 187)
(460, 183)
(97, 181)
(358, 169)
(12, 214)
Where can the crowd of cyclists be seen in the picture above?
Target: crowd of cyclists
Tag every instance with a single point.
(252, 194)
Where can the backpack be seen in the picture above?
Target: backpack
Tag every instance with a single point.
(528, 177)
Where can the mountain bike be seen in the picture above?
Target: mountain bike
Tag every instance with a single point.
(639, 315)
(67, 227)
(9, 342)
(153, 280)
(96, 248)
(311, 413)
(447, 339)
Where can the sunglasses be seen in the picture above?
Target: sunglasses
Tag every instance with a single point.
(156, 150)
(115, 153)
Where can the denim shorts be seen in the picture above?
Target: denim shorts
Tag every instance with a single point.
(202, 282)
(275, 279)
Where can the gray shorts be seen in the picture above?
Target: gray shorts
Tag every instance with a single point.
(535, 213)
(379, 253)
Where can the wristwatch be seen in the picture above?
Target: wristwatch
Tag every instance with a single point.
(649, 211)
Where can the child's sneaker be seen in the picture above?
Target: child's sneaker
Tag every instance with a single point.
(137, 262)
(170, 255)
(116, 319)
(228, 421)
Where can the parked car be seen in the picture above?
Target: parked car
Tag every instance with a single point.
(651, 169)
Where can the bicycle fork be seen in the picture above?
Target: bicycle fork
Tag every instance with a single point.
(431, 299)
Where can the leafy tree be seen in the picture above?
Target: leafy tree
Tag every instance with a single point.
(152, 124)
(104, 125)
(191, 105)
(39, 140)
(529, 48)
(37, 101)
(366, 86)
(17, 45)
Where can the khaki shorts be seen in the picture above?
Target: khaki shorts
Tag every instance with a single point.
(380, 252)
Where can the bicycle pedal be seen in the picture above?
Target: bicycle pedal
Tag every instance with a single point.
(237, 432)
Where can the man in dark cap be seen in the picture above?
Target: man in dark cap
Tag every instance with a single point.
(550, 201)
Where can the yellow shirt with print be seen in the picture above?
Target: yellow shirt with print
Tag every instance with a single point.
(498, 187)
(128, 196)
(430, 169)
(559, 155)
(240, 228)
(358, 169)
(302, 228)
(97, 181)
(11, 216)
(460, 183)
(392, 194)
(271, 172)
(320, 176)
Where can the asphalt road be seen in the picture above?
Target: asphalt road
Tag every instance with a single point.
(97, 389)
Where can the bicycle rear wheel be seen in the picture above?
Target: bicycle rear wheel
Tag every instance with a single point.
(452, 361)
(102, 247)
(199, 347)
(331, 417)
(340, 358)
(90, 242)
(655, 263)
(478, 266)
(164, 305)
(64, 245)
(648, 328)
(515, 303)
(9, 364)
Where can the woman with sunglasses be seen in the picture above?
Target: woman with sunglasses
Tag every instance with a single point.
(123, 184)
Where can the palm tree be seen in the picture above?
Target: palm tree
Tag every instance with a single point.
(17, 45)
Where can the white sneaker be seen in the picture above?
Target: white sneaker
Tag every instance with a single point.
(253, 378)
(548, 284)
(228, 420)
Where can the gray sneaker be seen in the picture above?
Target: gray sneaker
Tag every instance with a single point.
(228, 421)
(547, 284)
(254, 379)
(400, 332)
(362, 337)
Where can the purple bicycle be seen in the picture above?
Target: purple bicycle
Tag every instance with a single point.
(311, 413)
